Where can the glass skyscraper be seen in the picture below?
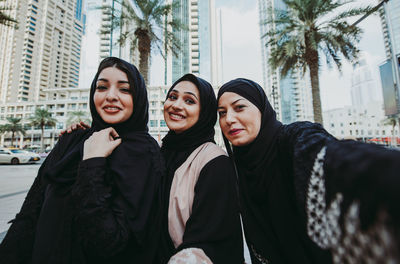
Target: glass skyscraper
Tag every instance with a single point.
(199, 52)
(390, 69)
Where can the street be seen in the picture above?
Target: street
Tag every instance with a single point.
(15, 181)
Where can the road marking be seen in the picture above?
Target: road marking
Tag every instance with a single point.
(12, 194)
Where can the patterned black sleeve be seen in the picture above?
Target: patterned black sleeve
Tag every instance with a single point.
(100, 217)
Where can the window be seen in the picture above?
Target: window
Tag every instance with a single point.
(153, 123)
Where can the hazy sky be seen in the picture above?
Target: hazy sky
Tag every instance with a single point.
(242, 51)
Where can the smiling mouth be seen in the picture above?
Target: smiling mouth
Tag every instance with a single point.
(234, 132)
(176, 117)
(111, 109)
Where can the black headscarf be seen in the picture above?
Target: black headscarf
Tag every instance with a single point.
(253, 158)
(176, 148)
(203, 130)
(273, 227)
(135, 165)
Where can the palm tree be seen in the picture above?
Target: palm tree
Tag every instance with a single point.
(151, 22)
(5, 19)
(77, 116)
(305, 29)
(13, 126)
(42, 118)
(392, 120)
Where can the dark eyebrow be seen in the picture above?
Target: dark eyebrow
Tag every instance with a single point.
(237, 101)
(176, 91)
(192, 94)
(105, 80)
(221, 107)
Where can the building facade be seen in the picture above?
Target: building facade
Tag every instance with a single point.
(61, 102)
(290, 96)
(390, 69)
(200, 52)
(366, 123)
(364, 87)
(99, 42)
(43, 52)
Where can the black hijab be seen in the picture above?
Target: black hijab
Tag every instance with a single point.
(135, 165)
(272, 223)
(253, 158)
(203, 130)
(176, 148)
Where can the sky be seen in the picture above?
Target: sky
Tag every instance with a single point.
(242, 51)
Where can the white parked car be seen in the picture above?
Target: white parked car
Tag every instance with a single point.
(16, 156)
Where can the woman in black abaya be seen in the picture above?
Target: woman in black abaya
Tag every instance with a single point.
(305, 196)
(95, 199)
(201, 217)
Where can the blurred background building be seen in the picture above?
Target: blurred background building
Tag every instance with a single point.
(201, 42)
(390, 69)
(291, 95)
(43, 52)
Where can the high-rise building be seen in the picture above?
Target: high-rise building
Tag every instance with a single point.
(43, 52)
(364, 88)
(390, 69)
(99, 41)
(200, 52)
(290, 96)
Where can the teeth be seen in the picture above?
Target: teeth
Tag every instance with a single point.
(112, 108)
(177, 116)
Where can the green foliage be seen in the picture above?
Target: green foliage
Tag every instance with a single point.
(307, 28)
(76, 117)
(13, 126)
(41, 118)
(151, 23)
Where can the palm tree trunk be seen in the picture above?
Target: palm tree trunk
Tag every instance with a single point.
(12, 139)
(314, 76)
(144, 53)
(42, 139)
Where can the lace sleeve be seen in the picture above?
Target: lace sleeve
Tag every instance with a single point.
(99, 217)
(352, 202)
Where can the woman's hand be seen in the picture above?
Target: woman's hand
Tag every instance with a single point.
(101, 144)
(80, 125)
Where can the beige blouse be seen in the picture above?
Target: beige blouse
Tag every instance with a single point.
(181, 200)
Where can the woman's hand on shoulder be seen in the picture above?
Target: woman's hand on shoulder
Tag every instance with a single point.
(80, 125)
(101, 144)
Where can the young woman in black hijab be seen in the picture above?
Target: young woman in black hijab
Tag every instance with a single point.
(95, 199)
(201, 216)
(305, 196)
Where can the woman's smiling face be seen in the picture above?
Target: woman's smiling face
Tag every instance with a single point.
(239, 119)
(182, 107)
(112, 98)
